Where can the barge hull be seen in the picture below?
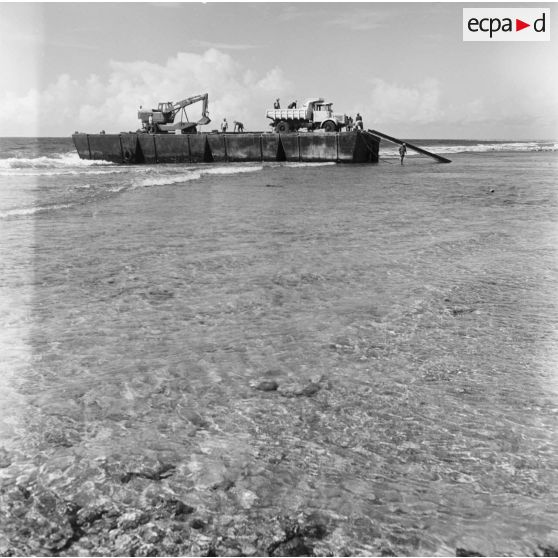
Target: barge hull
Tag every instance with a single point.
(134, 148)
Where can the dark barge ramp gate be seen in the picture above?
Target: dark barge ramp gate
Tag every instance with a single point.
(138, 148)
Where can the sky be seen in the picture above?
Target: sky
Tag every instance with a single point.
(403, 66)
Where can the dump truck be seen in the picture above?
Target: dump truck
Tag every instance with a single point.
(162, 119)
(313, 115)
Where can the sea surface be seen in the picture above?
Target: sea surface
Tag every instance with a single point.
(279, 359)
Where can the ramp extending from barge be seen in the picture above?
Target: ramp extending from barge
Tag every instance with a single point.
(139, 148)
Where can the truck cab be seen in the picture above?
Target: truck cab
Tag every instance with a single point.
(324, 117)
(322, 112)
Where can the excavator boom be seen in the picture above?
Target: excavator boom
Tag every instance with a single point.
(191, 100)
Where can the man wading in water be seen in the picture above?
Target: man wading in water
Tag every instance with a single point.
(402, 152)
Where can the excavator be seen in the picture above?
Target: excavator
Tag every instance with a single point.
(161, 119)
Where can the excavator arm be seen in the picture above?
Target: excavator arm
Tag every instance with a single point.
(179, 105)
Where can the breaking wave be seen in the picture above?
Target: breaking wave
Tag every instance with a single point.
(440, 146)
(298, 165)
(61, 163)
(59, 160)
(500, 147)
(193, 174)
(23, 211)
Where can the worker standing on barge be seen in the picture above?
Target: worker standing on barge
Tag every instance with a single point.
(358, 122)
(224, 125)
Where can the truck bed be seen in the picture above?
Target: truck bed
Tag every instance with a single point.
(288, 114)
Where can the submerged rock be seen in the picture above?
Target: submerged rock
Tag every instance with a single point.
(58, 438)
(159, 293)
(295, 546)
(300, 535)
(296, 389)
(465, 552)
(460, 311)
(5, 459)
(89, 515)
(197, 523)
(248, 549)
(125, 545)
(178, 509)
(266, 385)
(161, 471)
(310, 389)
(132, 519)
(246, 498)
(151, 534)
(196, 419)
(315, 526)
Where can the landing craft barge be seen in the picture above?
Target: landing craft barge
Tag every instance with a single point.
(164, 138)
(144, 148)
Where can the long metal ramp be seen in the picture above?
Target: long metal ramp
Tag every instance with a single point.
(439, 158)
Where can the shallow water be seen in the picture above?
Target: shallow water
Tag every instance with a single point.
(142, 306)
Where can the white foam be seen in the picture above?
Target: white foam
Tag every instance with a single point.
(22, 211)
(193, 174)
(116, 189)
(167, 180)
(58, 163)
(231, 170)
(50, 172)
(387, 150)
(499, 147)
(56, 160)
(318, 164)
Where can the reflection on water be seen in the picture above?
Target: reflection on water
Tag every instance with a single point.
(356, 361)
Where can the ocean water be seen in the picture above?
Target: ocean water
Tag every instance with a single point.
(279, 359)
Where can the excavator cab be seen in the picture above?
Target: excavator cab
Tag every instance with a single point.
(166, 108)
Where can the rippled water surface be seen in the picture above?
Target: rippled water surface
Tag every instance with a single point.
(279, 359)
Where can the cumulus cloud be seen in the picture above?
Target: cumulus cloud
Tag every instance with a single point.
(111, 102)
(428, 108)
(391, 102)
(424, 108)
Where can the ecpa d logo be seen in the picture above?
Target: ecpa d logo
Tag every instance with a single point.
(506, 24)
